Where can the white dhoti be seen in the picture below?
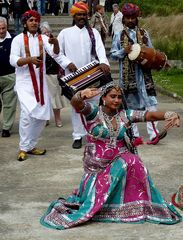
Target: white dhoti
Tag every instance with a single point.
(29, 129)
(150, 129)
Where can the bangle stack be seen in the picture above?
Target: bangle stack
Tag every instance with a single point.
(78, 96)
(170, 114)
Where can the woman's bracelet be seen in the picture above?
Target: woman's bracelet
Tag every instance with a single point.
(78, 96)
(170, 114)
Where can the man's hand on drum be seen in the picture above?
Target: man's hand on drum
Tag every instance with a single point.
(128, 48)
(105, 68)
(72, 67)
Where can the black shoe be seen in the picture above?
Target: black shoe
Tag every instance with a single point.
(77, 143)
(5, 133)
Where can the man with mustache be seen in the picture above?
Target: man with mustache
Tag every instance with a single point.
(80, 45)
(136, 81)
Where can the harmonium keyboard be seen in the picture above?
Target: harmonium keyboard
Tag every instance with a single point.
(88, 76)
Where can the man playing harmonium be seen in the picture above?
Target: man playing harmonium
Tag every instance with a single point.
(80, 45)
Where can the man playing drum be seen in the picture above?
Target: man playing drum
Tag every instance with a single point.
(135, 79)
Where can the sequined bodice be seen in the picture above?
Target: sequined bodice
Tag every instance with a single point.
(99, 128)
(104, 144)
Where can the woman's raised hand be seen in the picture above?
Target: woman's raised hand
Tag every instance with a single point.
(89, 93)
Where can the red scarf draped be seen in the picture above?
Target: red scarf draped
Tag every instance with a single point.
(31, 69)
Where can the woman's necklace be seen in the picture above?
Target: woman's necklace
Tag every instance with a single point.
(113, 133)
(110, 118)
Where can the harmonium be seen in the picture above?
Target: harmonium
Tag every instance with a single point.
(89, 75)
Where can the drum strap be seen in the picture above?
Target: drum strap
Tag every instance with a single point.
(129, 79)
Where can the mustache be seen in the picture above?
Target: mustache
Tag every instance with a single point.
(82, 19)
(131, 25)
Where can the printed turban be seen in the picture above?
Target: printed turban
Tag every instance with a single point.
(129, 9)
(30, 13)
(79, 7)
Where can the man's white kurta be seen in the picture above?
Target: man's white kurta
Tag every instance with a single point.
(75, 45)
(24, 86)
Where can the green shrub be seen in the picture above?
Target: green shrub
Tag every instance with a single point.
(172, 48)
(158, 7)
(166, 34)
(171, 80)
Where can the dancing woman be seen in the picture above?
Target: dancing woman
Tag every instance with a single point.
(116, 186)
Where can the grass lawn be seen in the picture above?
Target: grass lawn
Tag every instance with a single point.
(171, 80)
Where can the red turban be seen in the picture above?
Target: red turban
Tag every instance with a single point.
(79, 7)
(129, 9)
(30, 13)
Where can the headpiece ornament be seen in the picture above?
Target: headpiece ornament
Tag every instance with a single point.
(109, 85)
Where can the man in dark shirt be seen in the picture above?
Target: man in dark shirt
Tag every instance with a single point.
(17, 8)
(7, 80)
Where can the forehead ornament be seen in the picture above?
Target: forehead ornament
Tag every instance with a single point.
(108, 86)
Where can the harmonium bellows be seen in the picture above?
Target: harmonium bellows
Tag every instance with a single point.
(87, 76)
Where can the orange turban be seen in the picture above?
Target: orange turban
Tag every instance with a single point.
(79, 7)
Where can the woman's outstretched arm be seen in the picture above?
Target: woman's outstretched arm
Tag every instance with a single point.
(171, 118)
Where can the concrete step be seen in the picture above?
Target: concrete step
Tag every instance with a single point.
(57, 21)
(115, 76)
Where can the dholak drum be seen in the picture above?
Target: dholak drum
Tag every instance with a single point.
(148, 57)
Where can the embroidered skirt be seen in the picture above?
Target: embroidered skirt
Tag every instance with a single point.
(122, 192)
